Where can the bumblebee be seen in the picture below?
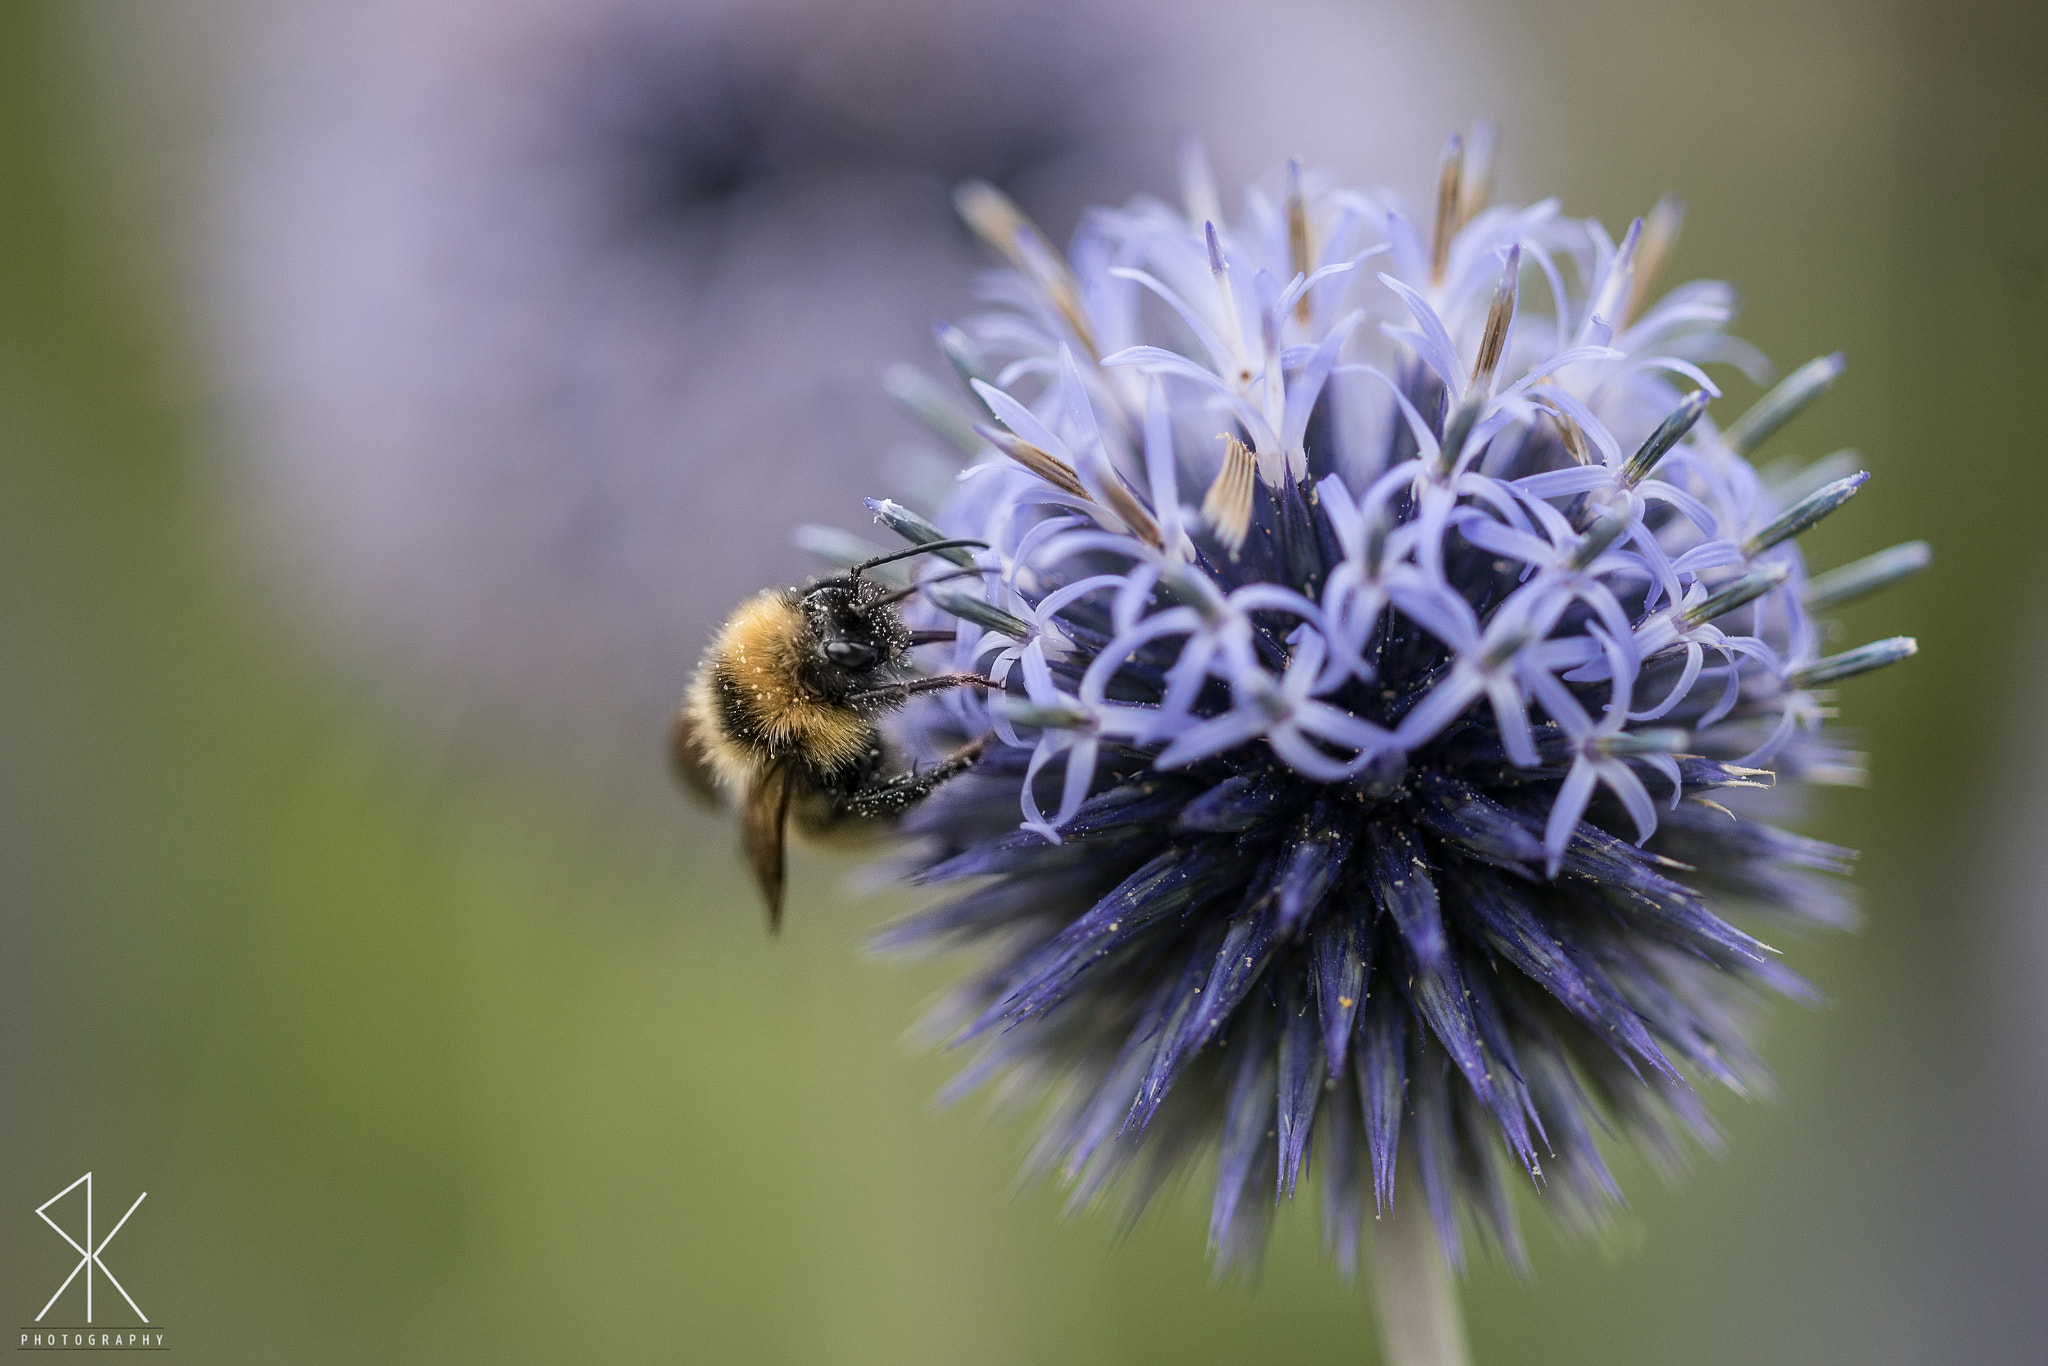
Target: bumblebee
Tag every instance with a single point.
(783, 706)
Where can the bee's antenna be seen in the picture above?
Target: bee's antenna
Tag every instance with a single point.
(853, 572)
(913, 590)
(857, 570)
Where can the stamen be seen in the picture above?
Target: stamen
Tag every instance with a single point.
(1795, 520)
(1867, 575)
(1135, 514)
(1227, 506)
(1668, 434)
(1660, 235)
(1002, 225)
(1860, 660)
(1783, 403)
(1449, 208)
(1044, 464)
(1065, 478)
(1302, 258)
(1740, 593)
(1495, 339)
(919, 395)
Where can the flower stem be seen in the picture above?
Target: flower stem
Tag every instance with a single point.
(1415, 1303)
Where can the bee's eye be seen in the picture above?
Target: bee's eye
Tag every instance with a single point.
(851, 654)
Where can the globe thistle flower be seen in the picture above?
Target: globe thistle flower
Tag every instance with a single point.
(1400, 662)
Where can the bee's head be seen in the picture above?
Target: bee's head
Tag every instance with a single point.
(855, 631)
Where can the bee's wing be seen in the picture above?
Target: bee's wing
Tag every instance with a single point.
(762, 818)
(686, 759)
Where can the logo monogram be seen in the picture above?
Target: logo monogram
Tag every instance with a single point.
(88, 1251)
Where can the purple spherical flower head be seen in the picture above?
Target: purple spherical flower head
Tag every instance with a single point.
(1397, 660)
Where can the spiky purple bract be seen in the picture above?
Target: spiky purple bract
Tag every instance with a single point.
(1388, 634)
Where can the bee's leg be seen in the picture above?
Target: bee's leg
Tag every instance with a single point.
(899, 693)
(886, 797)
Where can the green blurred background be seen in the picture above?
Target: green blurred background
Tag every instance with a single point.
(419, 1060)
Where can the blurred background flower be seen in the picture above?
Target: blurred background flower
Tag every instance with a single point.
(524, 308)
(367, 373)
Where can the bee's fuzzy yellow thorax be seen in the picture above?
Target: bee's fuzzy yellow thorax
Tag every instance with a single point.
(748, 701)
